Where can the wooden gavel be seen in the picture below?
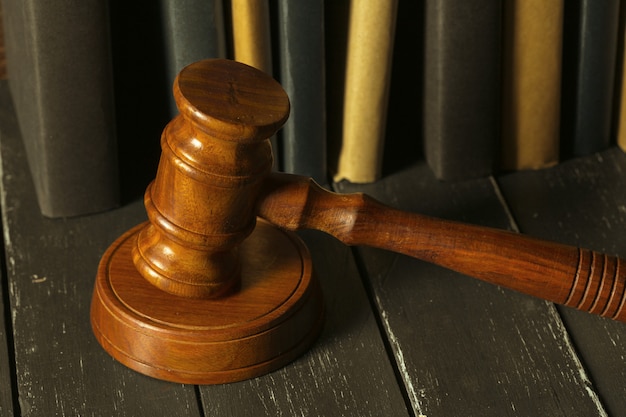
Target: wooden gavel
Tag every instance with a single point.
(206, 293)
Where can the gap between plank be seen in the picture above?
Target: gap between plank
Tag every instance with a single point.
(390, 344)
(404, 385)
(558, 319)
(6, 300)
(199, 401)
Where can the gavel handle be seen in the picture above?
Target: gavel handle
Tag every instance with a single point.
(575, 277)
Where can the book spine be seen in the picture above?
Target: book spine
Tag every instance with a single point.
(366, 94)
(252, 43)
(336, 18)
(620, 97)
(192, 30)
(462, 88)
(302, 74)
(531, 83)
(589, 55)
(60, 76)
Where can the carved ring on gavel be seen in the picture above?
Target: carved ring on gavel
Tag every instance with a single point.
(216, 287)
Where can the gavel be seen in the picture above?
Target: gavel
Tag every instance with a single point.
(216, 287)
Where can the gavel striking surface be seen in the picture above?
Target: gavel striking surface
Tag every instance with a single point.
(199, 294)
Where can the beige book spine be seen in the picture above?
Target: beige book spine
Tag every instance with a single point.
(368, 69)
(621, 123)
(532, 83)
(251, 33)
(252, 43)
(621, 119)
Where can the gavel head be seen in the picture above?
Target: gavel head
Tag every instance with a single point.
(215, 155)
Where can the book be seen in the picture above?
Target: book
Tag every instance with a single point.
(402, 150)
(336, 18)
(302, 75)
(252, 43)
(366, 92)
(251, 35)
(462, 87)
(192, 30)
(531, 103)
(60, 77)
(3, 61)
(619, 100)
(589, 57)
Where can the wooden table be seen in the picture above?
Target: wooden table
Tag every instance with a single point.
(401, 338)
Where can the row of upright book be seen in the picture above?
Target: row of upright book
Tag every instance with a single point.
(474, 86)
(519, 84)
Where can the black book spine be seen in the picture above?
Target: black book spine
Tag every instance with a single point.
(462, 87)
(192, 30)
(589, 57)
(60, 76)
(302, 74)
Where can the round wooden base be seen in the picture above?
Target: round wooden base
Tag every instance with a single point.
(273, 318)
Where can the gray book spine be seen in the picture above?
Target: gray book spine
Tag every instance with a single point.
(192, 30)
(589, 57)
(60, 76)
(462, 87)
(302, 74)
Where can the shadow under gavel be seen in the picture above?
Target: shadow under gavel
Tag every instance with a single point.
(216, 288)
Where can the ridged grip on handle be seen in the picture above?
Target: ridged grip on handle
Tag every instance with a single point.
(555, 272)
(598, 285)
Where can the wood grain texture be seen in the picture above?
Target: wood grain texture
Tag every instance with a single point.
(62, 371)
(584, 279)
(582, 201)
(214, 156)
(345, 373)
(51, 265)
(198, 294)
(273, 317)
(465, 345)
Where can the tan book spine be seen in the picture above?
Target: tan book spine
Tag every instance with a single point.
(251, 33)
(252, 43)
(368, 69)
(621, 118)
(532, 83)
(621, 122)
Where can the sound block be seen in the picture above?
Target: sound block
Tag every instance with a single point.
(274, 317)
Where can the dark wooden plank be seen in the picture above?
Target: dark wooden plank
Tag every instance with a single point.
(347, 372)
(51, 264)
(6, 360)
(582, 202)
(463, 346)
